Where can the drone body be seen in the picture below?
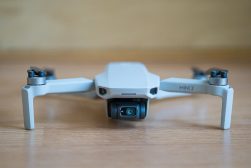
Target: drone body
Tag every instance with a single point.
(126, 80)
(127, 88)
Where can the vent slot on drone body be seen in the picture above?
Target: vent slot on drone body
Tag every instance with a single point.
(128, 93)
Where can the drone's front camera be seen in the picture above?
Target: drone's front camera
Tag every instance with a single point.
(128, 111)
(127, 108)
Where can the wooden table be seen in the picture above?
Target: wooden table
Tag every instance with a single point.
(72, 131)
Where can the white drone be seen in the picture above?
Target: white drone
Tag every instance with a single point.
(127, 88)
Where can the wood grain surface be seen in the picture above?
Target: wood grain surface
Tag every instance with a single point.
(72, 131)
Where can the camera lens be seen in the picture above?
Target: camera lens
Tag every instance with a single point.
(127, 108)
(128, 111)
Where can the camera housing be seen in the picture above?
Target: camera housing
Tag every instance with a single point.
(127, 88)
(127, 108)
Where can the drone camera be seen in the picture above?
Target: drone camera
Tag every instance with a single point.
(127, 108)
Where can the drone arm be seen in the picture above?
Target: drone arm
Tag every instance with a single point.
(29, 92)
(226, 111)
(167, 95)
(203, 87)
(28, 107)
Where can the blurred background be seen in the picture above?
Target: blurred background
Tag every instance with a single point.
(154, 26)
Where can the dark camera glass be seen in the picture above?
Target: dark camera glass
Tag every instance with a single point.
(128, 111)
(127, 108)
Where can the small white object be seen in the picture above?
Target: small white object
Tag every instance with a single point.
(127, 87)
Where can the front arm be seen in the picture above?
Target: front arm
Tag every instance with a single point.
(29, 92)
(202, 86)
